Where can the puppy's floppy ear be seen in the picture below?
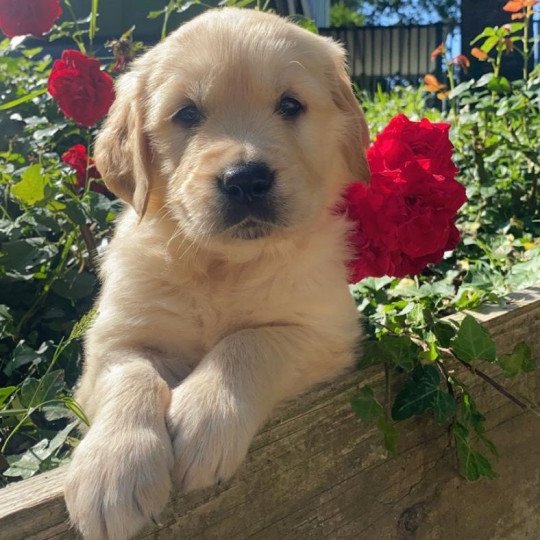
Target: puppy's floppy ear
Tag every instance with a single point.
(122, 151)
(355, 139)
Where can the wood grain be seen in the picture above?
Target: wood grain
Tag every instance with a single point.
(316, 471)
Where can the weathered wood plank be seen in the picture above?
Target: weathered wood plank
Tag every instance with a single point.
(315, 471)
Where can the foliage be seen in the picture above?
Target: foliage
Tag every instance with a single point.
(343, 15)
(52, 231)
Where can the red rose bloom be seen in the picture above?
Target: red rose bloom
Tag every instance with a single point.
(21, 17)
(84, 167)
(83, 92)
(404, 219)
(425, 142)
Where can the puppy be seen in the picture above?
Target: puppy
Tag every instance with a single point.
(225, 285)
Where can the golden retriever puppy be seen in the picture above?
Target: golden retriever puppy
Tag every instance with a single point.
(225, 285)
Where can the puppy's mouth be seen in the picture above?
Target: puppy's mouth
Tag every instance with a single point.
(251, 229)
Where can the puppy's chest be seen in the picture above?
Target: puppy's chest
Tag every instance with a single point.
(204, 312)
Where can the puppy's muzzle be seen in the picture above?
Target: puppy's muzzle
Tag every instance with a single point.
(246, 191)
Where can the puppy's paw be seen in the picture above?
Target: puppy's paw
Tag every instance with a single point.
(211, 435)
(118, 480)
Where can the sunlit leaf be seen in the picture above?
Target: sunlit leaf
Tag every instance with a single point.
(31, 188)
(518, 361)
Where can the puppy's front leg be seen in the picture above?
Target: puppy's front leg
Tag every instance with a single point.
(217, 410)
(119, 477)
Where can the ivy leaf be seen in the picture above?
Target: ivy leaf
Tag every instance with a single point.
(518, 361)
(473, 342)
(444, 406)
(444, 333)
(473, 464)
(31, 188)
(366, 406)
(390, 433)
(417, 394)
(400, 350)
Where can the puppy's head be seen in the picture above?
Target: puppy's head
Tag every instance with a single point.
(239, 125)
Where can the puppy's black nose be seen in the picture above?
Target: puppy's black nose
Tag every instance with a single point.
(247, 182)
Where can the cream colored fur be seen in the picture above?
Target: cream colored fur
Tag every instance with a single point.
(200, 335)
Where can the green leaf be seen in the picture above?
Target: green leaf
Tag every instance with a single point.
(484, 80)
(76, 409)
(7, 326)
(488, 31)
(366, 406)
(156, 14)
(473, 464)
(400, 350)
(489, 43)
(417, 394)
(23, 99)
(74, 285)
(444, 406)
(525, 274)
(391, 435)
(28, 464)
(500, 85)
(460, 89)
(32, 460)
(31, 188)
(518, 361)
(5, 393)
(21, 256)
(34, 392)
(23, 355)
(444, 332)
(473, 342)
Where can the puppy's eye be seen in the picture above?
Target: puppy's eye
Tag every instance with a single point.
(189, 116)
(289, 107)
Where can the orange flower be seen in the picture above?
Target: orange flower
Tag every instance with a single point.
(479, 54)
(518, 16)
(513, 6)
(438, 51)
(462, 61)
(431, 84)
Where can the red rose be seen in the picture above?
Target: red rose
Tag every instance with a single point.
(21, 17)
(83, 92)
(404, 219)
(403, 140)
(84, 167)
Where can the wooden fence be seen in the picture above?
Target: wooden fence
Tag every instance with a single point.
(388, 55)
(318, 472)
